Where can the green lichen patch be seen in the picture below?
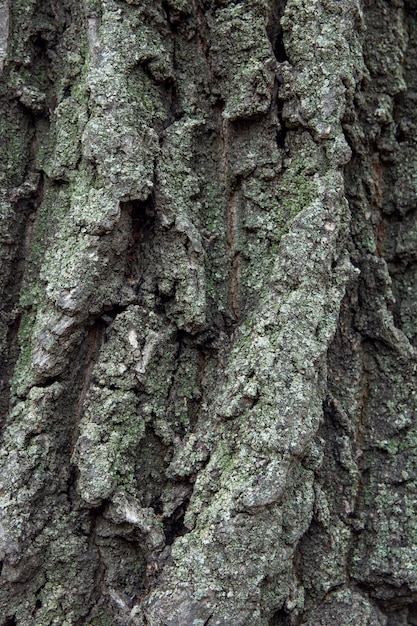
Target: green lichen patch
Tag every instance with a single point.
(109, 437)
(239, 33)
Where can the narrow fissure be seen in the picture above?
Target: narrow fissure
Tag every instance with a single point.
(282, 130)
(174, 524)
(143, 216)
(274, 30)
(26, 200)
(202, 33)
(93, 341)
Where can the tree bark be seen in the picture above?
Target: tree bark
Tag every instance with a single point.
(208, 323)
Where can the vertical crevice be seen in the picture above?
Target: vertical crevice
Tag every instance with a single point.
(274, 30)
(142, 233)
(174, 524)
(203, 37)
(232, 218)
(276, 38)
(93, 341)
(25, 201)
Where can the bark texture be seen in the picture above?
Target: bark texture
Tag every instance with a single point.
(208, 324)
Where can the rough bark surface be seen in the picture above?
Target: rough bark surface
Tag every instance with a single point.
(208, 324)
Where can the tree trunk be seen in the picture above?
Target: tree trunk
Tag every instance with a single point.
(208, 323)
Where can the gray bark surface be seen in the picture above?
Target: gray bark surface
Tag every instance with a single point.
(208, 244)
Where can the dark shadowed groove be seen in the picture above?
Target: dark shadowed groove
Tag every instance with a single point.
(25, 201)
